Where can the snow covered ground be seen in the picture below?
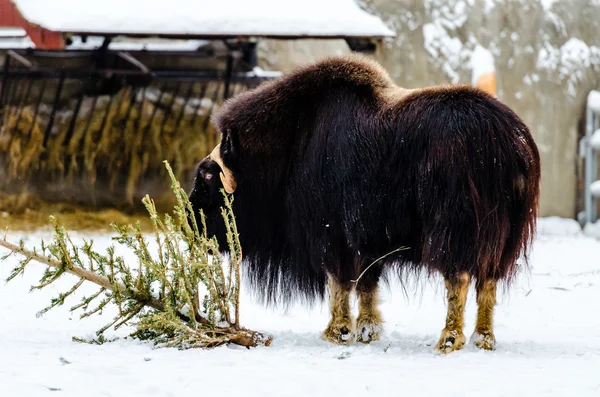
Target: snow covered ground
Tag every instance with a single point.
(547, 326)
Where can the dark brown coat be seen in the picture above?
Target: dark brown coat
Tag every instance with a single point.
(336, 166)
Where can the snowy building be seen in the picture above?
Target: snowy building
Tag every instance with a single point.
(116, 70)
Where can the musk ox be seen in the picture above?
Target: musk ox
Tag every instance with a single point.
(333, 168)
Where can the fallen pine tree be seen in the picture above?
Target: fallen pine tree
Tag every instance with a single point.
(162, 298)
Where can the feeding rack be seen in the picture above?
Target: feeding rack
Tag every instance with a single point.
(75, 120)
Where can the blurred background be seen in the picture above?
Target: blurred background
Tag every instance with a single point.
(94, 95)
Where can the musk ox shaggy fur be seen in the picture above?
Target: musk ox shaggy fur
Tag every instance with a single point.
(333, 168)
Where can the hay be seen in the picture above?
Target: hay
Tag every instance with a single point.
(115, 153)
(27, 212)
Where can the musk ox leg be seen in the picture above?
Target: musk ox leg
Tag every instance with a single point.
(483, 337)
(452, 337)
(340, 329)
(369, 322)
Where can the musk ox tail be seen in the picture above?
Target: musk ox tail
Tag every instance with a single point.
(479, 184)
(524, 212)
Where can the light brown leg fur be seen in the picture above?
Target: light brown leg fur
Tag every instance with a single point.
(452, 337)
(340, 329)
(483, 337)
(369, 322)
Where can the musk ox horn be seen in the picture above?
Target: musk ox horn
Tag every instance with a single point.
(226, 175)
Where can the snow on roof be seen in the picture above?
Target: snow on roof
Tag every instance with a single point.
(14, 38)
(12, 32)
(268, 18)
(133, 44)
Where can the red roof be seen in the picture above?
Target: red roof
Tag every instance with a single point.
(43, 38)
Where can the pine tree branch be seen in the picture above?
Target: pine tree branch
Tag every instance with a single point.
(241, 337)
(78, 271)
(104, 282)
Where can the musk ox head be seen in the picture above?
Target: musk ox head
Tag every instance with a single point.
(212, 175)
(249, 163)
(225, 174)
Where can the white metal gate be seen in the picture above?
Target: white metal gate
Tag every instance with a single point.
(589, 147)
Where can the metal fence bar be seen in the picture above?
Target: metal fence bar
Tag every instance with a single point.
(134, 92)
(213, 104)
(90, 118)
(167, 111)
(13, 93)
(5, 75)
(156, 106)
(201, 95)
(106, 114)
(182, 75)
(228, 75)
(141, 108)
(73, 121)
(19, 58)
(132, 60)
(37, 108)
(188, 94)
(61, 82)
(14, 110)
(24, 101)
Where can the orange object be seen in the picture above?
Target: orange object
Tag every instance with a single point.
(487, 82)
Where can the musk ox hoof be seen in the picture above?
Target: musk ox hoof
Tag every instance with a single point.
(368, 328)
(450, 340)
(485, 340)
(368, 333)
(340, 333)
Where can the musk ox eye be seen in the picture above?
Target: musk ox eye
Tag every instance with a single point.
(208, 176)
